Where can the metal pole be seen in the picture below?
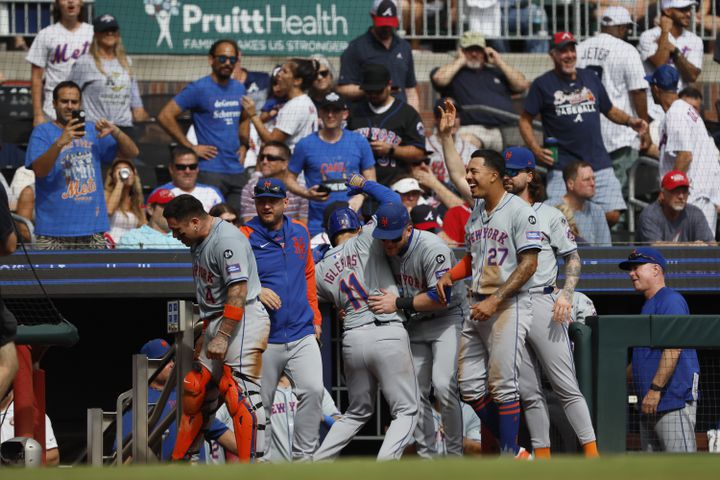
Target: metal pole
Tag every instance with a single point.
(119, 434)
(94, 437)
(140, 409)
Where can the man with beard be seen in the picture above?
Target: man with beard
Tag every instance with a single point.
(479, 76)
(380, 45)
(214, 104)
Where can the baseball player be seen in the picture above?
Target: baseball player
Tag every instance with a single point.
(503, 244)
(666, 379)
(236, 328)
(376, 348)
(418, 259)
(547, 341)
(287, 273)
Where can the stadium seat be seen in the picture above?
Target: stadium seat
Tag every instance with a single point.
(643, 187)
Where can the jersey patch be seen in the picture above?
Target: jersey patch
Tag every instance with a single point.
(441, 272)
(228, 253)
(440, 258)
(532, 220)
(534, 235)
(233, 267)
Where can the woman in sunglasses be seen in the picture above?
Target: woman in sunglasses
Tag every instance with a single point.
(106, 78)
(324, 82)
(298, 117)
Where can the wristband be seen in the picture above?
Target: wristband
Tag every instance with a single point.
(656, 388)
(233, 313)
(404, 303)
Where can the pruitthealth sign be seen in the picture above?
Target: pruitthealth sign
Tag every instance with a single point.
(290, 27)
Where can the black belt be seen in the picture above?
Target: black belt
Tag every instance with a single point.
(542, 290)
(378, 323)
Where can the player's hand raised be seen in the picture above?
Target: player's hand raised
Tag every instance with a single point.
(217, 347)
(447, 119)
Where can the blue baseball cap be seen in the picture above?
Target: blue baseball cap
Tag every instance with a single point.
(665, 78)
(519, 158)
(392, 218)
(155, 349)
(269, 187)
(643, 255)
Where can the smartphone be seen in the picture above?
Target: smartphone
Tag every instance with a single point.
(323, 189)
(80, 116)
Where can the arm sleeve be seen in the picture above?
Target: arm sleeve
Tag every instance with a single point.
(648, 227)
(415, 131)
(107, 148)
(39, 143)
(561, 239)
(525, 233)
(289, 118)
(350, 66)
(647, 45)
(673, 305)
(436, 262)
(634, 71)
(312, 294)
(695, 55)
(381, 193)
(533, 101)
(677, 124)
(230, 253)
(367, 159)
(187, 98)
(603, 99)
(462, 269)
(322, 292)
(297, 160)
(135, 99)
(37, 55)
(701, 228)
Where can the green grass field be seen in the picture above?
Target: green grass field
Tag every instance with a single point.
(620, 467)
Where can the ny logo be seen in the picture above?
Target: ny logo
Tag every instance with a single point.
(384, 221)
(267, 184)
(299, 245)
(508, 155)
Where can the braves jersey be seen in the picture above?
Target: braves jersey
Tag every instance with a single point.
(425, 259)
(621, 71)
(557, 241)
(351, 272)
(223, 258)
(683, 130)
(495, 240)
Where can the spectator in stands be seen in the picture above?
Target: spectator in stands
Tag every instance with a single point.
(8, 323)
(433, 145)
(670, 219)
(665, 379)
(273, 163)
(620, 68)
(298, 117)
(325, 81)
(440, 195)
(693, 96)
(671, 43)
(570, 101)
(393, 128)
(589, 216)
(257, 84)
(21, 199)
(155, 233)
(380, 45)
(53, 53)
(156, 349)
(424, 217)
(524, 18)
(214, 103)
(410, 192)
(480, 77)
(327, 158)
(686, 145)
(66, 156)
(106, 79)
(184, 170)
(7, 429)
(123, 198)
(225, 212)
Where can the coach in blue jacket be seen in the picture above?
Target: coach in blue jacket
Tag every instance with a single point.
(287, 273)
(665, 379)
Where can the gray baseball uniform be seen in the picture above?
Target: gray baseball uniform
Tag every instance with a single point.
(490, 350)
(224, 258)
(547, 341)
(434, 338)
(376, 348)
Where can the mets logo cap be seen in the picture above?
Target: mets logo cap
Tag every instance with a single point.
(392, 218)
(519, 158)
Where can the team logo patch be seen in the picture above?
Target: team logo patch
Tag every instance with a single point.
(233, 268)
(228, 253)
(442, 272)
(534, 235)
(440, 258)
(532, 220)
(384, 221)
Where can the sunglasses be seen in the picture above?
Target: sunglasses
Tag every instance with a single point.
(271, 158)
(225, 58)
(191, 166)
(274, 189)
(513, 172)
(323, 73)
(640, 256)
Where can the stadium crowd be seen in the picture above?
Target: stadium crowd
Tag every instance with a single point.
(304, 134)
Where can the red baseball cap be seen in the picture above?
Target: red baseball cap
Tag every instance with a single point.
(675, 179)
(161, 196)
(563, 39)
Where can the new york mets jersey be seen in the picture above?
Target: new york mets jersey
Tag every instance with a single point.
(495, 240)
(557, 241)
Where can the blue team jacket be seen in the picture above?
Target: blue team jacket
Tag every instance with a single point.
(285, 265)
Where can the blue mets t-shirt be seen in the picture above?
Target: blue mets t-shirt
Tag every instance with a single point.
(70, 202)
(216, 111)
(330, 164)
(682, 386)
(570, 111)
